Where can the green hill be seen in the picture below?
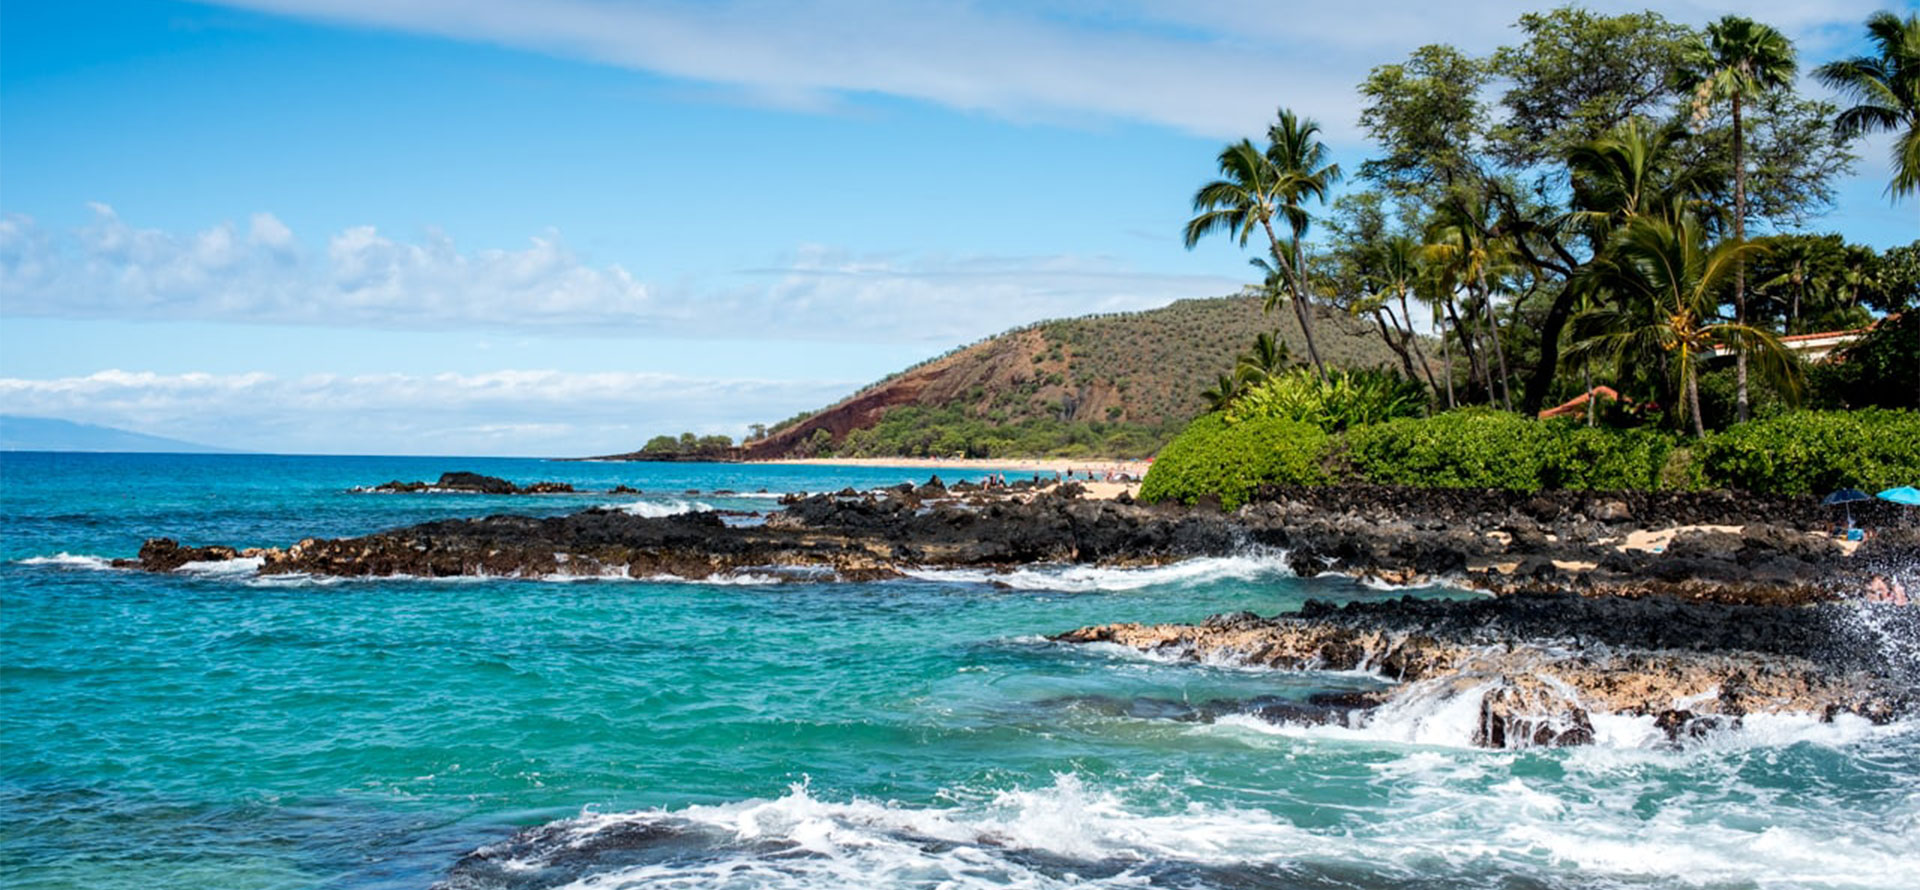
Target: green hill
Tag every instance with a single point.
(1113, 385)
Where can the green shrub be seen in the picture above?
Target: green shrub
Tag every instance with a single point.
(1812, 452)
(1230, 460)
(1468, 448)
(1346, 398)
(1601, 458)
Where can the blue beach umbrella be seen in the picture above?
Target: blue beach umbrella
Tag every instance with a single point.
(1848, 496)
(1905, 494)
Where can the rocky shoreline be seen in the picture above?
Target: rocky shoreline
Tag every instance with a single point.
(1692, 609)
(1707, 546)
(1538, 668)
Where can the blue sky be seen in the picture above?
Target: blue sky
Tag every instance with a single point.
(558, 227)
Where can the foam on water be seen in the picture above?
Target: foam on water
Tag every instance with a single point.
(658, 508)
(72, 562)
(1094, 579)
(1449, 819)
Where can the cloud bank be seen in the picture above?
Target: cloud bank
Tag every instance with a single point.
(516, 412)
(1212, 68)
(260, 273)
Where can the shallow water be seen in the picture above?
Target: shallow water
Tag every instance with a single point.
(220, 730)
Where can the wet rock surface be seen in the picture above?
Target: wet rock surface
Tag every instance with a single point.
(1541, 666)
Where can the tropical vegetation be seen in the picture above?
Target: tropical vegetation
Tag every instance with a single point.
(1572, 212)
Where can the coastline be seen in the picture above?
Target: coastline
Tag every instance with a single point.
(1098, 487)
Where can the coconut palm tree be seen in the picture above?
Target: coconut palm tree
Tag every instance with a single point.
(1630, 171)
(1461, 249)
(1254, 187)
(1737, 60)
(1225, 390)
(1887, 88)
(1667, 278)
(1267, 358)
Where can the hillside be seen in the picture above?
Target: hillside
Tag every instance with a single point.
(1114, 385)
(18, 433)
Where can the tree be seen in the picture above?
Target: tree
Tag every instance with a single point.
(1461, 248)
(1225, 390)
(1737, 60)
(1256, 186)
(1267, 358)
(1886, 87)
(1578, 75)
(1665, 278)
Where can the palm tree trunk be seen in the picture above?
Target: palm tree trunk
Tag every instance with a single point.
(1586, 379)
(1296, 280)
(1303, 306)
(1446, 355)
(1740, 265)
(1414, 336)
(1493, 322)
(1465, 334)
(1693, 405)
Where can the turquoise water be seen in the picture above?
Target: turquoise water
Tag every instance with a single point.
(221, 731)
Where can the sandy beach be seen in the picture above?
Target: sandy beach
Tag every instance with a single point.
(1102, 477)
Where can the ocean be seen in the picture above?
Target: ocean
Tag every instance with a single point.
(213, 729)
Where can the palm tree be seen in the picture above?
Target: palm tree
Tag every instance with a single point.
(1796, 254)
(1737, 60)
(1888, 90)
(1397, 275)
(1254, 187)
(1628, 172)
(1224, 391)
(1464, 254)
(1267, 358)
(1668, 277)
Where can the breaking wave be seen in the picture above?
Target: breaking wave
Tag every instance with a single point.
(1092, 579)
(657, 509)
(1440, 819)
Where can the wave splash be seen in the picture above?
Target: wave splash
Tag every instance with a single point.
(659, 508)
(1445, 820)
(1248, 566)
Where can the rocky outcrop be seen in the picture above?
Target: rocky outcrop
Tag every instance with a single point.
(855, 535)
(474, 483)
(1541, 666)
(1494, 541)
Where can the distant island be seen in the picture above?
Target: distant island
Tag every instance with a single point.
(19, 433)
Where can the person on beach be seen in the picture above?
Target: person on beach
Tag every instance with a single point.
(1886, 590)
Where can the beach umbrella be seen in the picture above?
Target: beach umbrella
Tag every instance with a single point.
(1905, 494)
(1848, 496)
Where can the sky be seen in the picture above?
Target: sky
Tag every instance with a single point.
(560, 227)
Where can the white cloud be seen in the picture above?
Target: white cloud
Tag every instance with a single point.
(529, 412)
(111, 269)
(1214, 68)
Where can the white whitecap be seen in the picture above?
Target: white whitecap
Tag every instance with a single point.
(1091, 579)
(224, 568)
(72, 561)
(659, 508)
